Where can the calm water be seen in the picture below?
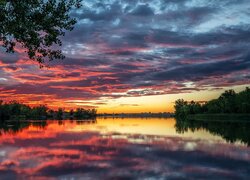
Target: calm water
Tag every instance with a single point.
(124, 149)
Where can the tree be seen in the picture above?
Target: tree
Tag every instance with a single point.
(181, 108)
(93, 112)
(36, 26)
(59, 114)
(242, 101)
(78, 113)
(194, 107)
(51, 114)
(71, 113)
(39, 112)
(227, 99)
(214, 106)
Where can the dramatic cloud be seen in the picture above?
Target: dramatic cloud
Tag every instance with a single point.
(137, 48)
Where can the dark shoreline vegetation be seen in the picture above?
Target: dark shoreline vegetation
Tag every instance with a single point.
(137, 115)
(16, 111)
(230, 106)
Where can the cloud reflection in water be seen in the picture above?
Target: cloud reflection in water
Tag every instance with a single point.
(60, 151)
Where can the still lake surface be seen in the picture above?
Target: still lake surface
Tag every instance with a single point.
(129, 148)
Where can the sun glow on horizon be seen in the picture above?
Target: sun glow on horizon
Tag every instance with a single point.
(153, 103)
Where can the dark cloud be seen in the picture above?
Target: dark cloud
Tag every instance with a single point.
(189, 17)
(195, 72)
(143, 10)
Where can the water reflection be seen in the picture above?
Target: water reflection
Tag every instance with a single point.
(13, 127)
(118, 149)
(230, 131)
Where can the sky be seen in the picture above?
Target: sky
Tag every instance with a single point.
(138, 56)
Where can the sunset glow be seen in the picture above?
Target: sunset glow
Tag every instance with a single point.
(124, 89)
(138, 56)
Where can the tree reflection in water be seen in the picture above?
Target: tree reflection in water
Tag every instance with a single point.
(14, 127)
(230, 131)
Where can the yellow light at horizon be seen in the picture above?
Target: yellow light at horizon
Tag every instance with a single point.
(159, 103)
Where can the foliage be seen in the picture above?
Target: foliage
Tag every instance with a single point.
(228, 102)
(36, 26)
(16, 111)
(82, 113)
(183, 108)
(59, 114)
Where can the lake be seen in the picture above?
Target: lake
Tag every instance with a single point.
(129, 148)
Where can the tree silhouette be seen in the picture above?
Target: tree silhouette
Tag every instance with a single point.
(228, 102)
(16, 111)
(36, 26)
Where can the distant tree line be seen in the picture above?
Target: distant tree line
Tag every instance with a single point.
(17, 111)
(229, 102)
(137, 115)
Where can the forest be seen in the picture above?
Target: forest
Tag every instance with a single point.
(229, 102)
(16, 111)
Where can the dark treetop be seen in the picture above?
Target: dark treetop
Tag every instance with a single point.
(36, 26)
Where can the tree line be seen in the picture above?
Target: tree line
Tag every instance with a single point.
(229, 102)
(16, 111)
